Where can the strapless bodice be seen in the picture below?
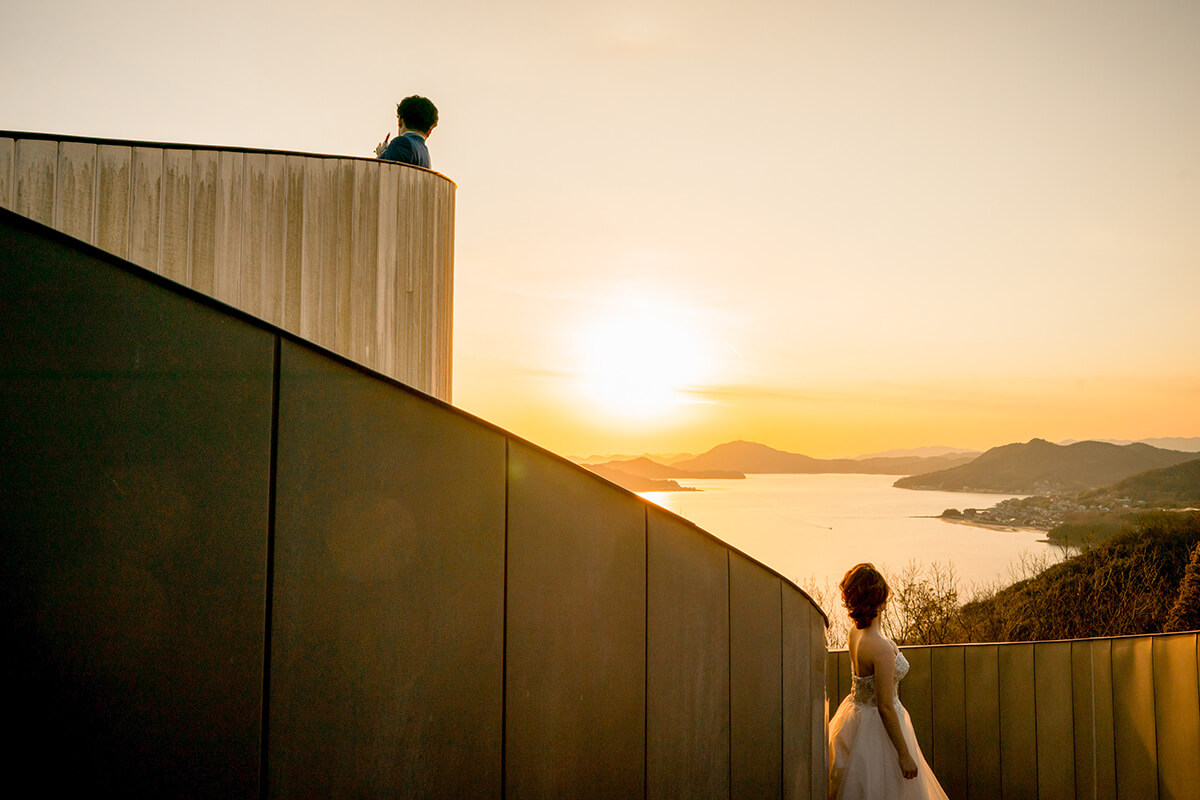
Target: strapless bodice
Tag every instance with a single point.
(863, 689)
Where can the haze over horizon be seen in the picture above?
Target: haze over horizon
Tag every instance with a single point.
(1181, 444)
(833, 228)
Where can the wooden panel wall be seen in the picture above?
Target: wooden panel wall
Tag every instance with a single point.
(355, 255)
(1092, 718)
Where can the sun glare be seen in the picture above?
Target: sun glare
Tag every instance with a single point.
(640, 359)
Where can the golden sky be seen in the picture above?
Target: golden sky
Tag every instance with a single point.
(834, 227)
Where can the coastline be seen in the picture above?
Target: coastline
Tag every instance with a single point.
(993, 526)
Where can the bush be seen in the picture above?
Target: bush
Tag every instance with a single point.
(1185, 614)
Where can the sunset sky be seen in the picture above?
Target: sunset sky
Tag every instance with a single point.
(833, 226)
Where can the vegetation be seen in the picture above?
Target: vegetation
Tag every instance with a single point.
(1185, 614)
(1144, 579)
(1126, 585)
(1171, 487)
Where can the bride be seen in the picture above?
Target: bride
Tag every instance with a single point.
(873, 752)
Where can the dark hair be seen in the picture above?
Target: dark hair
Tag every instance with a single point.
(418, 113)
(864, 591)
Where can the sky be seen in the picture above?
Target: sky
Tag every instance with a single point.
(833, 226)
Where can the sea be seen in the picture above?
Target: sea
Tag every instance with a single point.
(812, 528)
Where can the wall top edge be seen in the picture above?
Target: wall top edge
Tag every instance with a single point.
(58, 137)
(1165, 635)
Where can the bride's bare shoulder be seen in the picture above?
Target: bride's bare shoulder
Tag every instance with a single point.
(870, 647)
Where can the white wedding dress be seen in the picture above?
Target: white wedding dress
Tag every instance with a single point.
(863, 764)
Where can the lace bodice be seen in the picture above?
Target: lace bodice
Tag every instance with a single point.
(863, 689)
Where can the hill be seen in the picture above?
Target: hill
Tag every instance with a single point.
(752, 457)
(1039, 467)
(1127, 585)
(644, 467)
(636, 483)
(1169, 487)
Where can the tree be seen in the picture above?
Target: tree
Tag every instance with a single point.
(1185, 614)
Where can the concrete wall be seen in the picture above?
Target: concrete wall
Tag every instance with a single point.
(1111, 718)
(235, 566)
(354, 254)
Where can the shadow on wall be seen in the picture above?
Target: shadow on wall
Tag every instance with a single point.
(235, 566)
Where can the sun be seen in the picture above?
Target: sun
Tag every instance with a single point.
(641, 358)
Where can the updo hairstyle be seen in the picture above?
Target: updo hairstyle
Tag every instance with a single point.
(864, 591)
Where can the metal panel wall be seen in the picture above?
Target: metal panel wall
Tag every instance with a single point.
(1055, 720)
(982, 701)
(916, 693)
(949, 760)
(755, 676)
(576, 645)
(388, 616)
(687, 661)
(1091, 701)
(355, 255)
(134, 494)
(1094, 718)
(820, 712)
(803, 698)
(1133, 714)
(432, 607)
(1177, 716)
(1018, 721)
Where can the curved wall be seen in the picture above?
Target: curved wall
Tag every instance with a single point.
(1086, 718)
(232, 565)
(355, 255)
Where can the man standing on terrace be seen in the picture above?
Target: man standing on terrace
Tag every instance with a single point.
(417, 117)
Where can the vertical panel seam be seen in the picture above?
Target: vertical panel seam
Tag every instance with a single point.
(1036, 760)
(1071, 717)
(782, 704)
(646, 651)
(966, 762)
(933, 748)
(191, 233)
(55, 193)
(129, 202)
(162, 208)
(272, 471)
(504, 631)
(1000, 721)
(1112, 705)
(1154, 709)
(729, 658)
(1092, 692)
(95, 237)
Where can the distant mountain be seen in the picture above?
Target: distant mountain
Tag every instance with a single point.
(752, 457)
(1169, 487)
(1185, 444)
(644, 467)
(923, 452)
(661, 458)
(1039, 467)
(635, 483)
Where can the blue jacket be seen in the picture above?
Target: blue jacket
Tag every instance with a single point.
(409, 148)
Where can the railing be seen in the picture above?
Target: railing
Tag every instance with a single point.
(1089, 718)
(232, 565)
(353, 254)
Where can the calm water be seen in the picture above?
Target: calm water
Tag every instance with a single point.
(812, 528)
